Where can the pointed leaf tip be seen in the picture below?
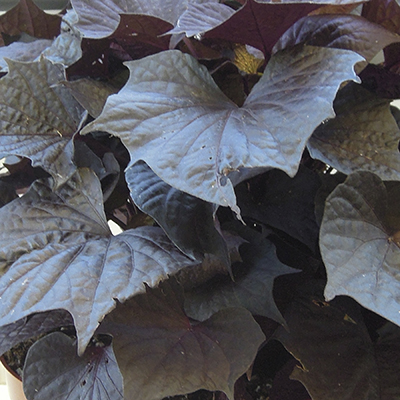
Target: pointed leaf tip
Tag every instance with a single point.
(171, 105)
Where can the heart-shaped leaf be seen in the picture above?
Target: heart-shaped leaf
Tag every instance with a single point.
(39, 117)
(360, 244)
(171, 106)
(161, 352)
(363, 135)
(58, 253)
(53, 370)
(187, 220)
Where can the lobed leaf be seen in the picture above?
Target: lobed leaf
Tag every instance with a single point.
(27, 17)
(360, 246)
(93, 24)
(171, 106)
(162, 353)
(202, 17)
(363, 136)
(57, 252)
(53, 370)
(253, 289)
(38, 117)
(349, 32)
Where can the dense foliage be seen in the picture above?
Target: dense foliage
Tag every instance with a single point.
(248, 152)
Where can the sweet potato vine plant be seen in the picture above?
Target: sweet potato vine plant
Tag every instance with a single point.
(248, 152)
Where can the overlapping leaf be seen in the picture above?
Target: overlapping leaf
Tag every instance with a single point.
(286, 204)
(22, 52)
(339, 360)
(187, 220)
(349, 32)
(27, 17)
(57, 253)
(202, 17)
(261, 25)
(252, 289)
(360, 245)
(38, 117)
(54, 370)
(334, 348)
(26, 328)
(171, 106)
(162, 353)
(93, 24)
(363, 135)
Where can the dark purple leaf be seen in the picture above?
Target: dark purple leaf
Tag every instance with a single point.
(93, 24)
(27, 17)
(188, 221)
(261, 25)
(161, 352)
(338, 359)
(333, 347)
(359, 243)
(383, 12)
(21, 51)
(39, 117)
(171, 106)
(26, 328)
(91, 94)
(285, 203)
(58, 253)
(363, 136)
(202, 17)
(381, 81)
(53, 370)
(349, 32)
(252, 287)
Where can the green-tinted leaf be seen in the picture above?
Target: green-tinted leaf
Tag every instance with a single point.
(162, 353)
(53, 370)
(171, 106)
(38, 117)
(334, 348)
(359, 243)
(187, 220)
(363, 135)
(57, 252)
(252, 288)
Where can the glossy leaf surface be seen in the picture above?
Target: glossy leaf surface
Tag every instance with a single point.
(171, 105)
